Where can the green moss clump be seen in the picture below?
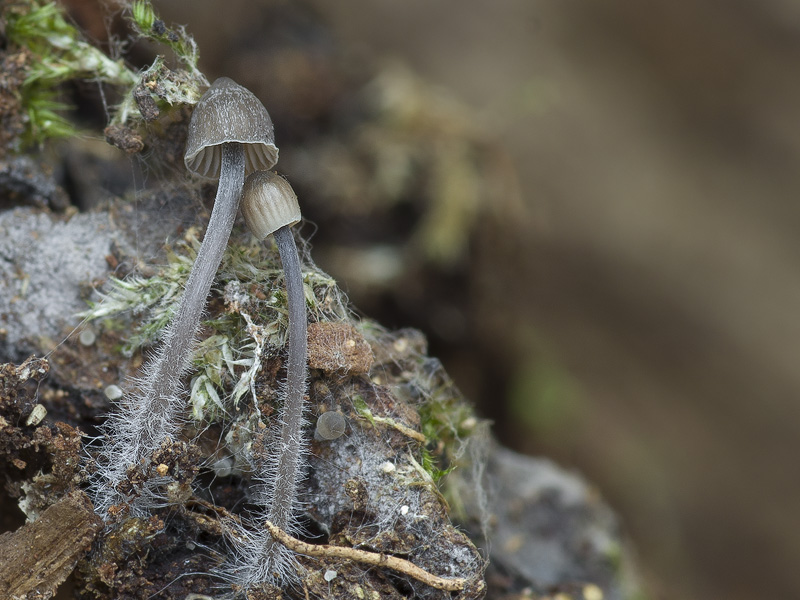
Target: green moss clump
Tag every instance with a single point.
(249, 318)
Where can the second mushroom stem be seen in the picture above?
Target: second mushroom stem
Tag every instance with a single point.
(292, 445)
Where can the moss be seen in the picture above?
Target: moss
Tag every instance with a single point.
(248, 323)
(447, 421)
(149, 26)
(56, 51)
(58, 54)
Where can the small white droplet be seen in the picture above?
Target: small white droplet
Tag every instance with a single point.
(469, 423)
(223, 467)
(37, 414)
(330, 575)
(87, 337)
(404, 510)
(330, 425)
(388, 467)
(113, 392)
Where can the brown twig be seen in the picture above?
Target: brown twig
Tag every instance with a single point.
(371, 558)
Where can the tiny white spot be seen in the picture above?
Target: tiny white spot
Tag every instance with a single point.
(87, 337)
(113, 392)
(190, 545)
(592, 592)
(37, 414)
(469, 423)
(404, 510)
(223, 467)
(388, 467)
(330, 575)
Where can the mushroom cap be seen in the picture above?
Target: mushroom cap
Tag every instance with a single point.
(268, 203)
(227, 112)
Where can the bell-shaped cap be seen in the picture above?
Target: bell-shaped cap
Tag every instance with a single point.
(227, 112)
(268, 203)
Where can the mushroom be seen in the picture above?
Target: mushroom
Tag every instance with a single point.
(228, 114)
(269, 206)
(230, 134)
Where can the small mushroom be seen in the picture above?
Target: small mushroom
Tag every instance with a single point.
(230, 134)
(229, 113)
(269, 206)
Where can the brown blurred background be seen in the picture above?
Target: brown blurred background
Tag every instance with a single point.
(629, 308)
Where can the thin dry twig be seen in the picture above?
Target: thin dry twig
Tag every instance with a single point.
(404, 429)
(371, 558)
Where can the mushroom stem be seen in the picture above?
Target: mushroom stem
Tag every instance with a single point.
(292, 442)
(269, 206)
(177, 345)
(150, 415)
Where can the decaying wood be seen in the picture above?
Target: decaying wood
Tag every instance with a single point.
(36, 558)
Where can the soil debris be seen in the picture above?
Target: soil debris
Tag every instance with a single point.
(338, 347)
(14, 69)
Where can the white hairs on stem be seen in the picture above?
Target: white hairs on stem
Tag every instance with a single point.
(149, 416)
(142, 421)
(280, 468)
(258, 558)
